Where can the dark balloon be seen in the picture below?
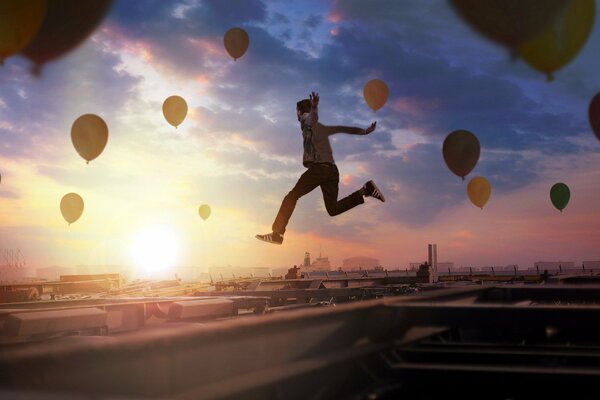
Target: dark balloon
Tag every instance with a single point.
(594, 114)
(461, 152)
(66, 25)
(560, 195)
(508, 22)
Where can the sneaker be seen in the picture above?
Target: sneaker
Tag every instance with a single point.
(372, 190)
(274, 238)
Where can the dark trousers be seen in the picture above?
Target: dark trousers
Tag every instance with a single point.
(328, 177)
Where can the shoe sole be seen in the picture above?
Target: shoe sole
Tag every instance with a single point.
(376, 188)
(267, 241)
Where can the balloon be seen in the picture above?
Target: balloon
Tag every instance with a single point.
(71, 207)
(594, 114)
(204, 211)
(479, 190)
(375, 93)
(236, 42)
(19, 22)
(508, 22)
(175, 109)
(461, 152)
(560, 195)
(557, 44)
(89, 135)
(66, 25)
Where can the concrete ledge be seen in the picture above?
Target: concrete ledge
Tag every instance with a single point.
(33, 323)
(206, 308)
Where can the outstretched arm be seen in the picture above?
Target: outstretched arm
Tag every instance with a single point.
(350, 129)
(314, 104)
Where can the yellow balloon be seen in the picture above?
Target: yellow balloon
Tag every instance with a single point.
(236, 42)
(71, 207)
(375, 93)
(204, 211)
(508, 22)
(89, 135)
(556, 45)
(19, 22)
(175, 109)
(479, 191)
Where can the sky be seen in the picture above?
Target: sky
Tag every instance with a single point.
(240, 148)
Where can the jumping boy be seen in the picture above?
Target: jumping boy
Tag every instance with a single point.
(322, 171)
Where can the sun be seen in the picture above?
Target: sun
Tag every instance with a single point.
(155, 252)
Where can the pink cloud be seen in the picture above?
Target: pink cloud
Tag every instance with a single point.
(334, 17)
(415, 106)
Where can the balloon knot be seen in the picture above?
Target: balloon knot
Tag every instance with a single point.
(87, 161)
(549, 78)
(463, 178)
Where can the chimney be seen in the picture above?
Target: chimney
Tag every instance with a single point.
(430, 254)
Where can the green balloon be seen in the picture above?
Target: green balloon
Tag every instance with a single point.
(560, 195)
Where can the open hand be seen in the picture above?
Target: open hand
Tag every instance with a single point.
(371, 128)
(314, 99)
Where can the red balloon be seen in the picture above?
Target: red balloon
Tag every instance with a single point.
(594, 114)
(66, 25)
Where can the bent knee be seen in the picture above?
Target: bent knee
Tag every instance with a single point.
(332, 212)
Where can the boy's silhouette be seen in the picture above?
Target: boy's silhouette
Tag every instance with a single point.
(322, 171)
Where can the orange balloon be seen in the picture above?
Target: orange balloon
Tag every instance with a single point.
(71, 207)
(375, 93)
(89, 135)
(175, 110)
(236, 42)
(479, 191)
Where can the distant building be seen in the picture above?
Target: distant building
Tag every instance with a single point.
(432, 256)
(125, 271)
(445, 266)
(591, 264)
(413, 266)
(553, 265)
(360, 263)
(306, 259)
(260, 272)
(228, 272)
(321, 264)
(53, 273)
